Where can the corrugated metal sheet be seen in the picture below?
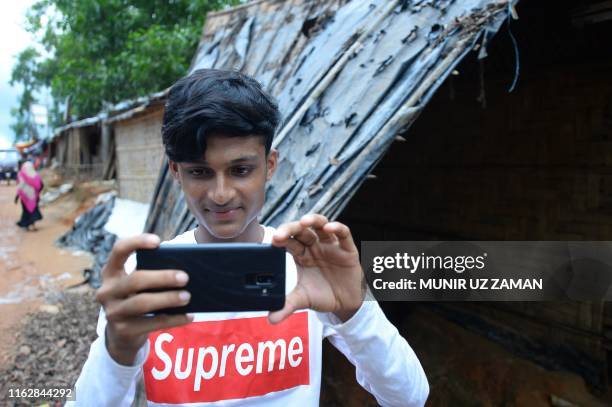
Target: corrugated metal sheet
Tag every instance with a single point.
(348, 76)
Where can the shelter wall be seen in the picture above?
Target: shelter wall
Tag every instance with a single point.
(77, 150)
(139, 154)
(60, 149)
(535, 164)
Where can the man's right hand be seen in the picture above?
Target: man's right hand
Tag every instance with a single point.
(125, 303)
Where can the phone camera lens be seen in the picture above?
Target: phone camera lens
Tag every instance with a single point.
(264, 279)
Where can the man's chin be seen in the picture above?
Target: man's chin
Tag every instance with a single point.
(228, 231)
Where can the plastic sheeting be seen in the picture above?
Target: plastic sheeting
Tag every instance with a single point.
(97, 229)
(127, 218)
(88, 234)
(348, 76)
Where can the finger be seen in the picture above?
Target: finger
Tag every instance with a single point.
(307, 237)
(142, 280)
(296, 230)
(285, 231)
(145, 325)
(343, 233)
(144, 303)
(314, 220)
(122, 250)
(294, 247)
(283, 238)
(295, 300)
(317, 222)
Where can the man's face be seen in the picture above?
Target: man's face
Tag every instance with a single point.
(225, 190)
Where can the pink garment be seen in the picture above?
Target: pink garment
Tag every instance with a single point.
(29, 186)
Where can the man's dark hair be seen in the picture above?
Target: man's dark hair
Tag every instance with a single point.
(211, 101)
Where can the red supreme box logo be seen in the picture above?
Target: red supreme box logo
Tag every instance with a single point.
(222, 360)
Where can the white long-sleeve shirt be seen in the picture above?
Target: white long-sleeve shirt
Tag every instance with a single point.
(240, 359)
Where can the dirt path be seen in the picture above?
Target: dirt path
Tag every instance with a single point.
(31, 267)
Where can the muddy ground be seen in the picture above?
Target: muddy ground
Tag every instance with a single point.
(32, 267)
(47, 319)
(46, 329)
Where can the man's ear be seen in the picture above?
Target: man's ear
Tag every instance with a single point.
(271, 161)
(174, 169)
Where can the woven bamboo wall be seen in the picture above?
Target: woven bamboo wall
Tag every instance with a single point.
(139, 154)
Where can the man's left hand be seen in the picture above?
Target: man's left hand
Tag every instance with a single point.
(330, 278)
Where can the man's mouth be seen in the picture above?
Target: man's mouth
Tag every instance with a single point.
(224, 214)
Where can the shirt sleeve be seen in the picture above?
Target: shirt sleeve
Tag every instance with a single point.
(104, 382)
(386, 366)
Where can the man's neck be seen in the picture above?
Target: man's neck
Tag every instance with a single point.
(254, 233)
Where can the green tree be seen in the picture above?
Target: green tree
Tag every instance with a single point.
(100, 52)
(24, 73)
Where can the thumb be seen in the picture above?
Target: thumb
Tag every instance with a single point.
(293, 302)
(123, 248)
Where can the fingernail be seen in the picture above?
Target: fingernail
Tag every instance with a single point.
(190, 316)
(184, 296)
(182, 277)
(153, 239)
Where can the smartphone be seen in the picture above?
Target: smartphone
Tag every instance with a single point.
(223, 277)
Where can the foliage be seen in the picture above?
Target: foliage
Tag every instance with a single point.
(24, 72)
(100, 52)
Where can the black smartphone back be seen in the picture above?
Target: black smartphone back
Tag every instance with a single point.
(223, 277)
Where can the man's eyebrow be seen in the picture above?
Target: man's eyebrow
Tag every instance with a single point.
(244, 158)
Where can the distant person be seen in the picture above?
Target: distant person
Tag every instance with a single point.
(29, 185)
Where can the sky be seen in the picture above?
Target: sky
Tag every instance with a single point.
(14, 39)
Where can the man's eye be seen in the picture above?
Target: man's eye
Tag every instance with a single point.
(199, 172)
(242, 170)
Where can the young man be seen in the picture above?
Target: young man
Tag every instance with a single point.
(217, 132)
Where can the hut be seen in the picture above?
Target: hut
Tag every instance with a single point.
(314, 56)
(489, 161)
(80, 150)
(481, 163)
(105, 146)
(138, 150)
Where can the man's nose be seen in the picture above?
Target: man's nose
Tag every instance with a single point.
(222, 192)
